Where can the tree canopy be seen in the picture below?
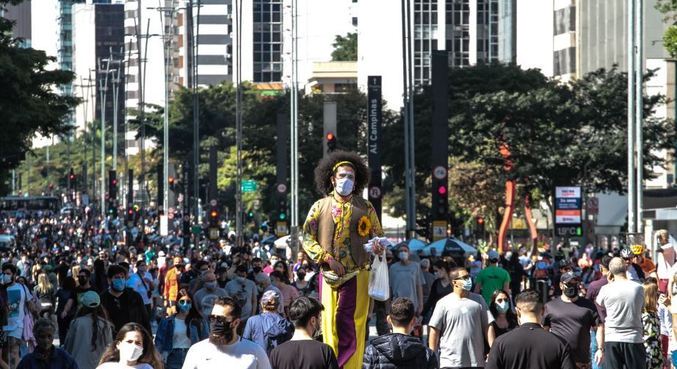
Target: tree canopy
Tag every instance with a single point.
(28, 100)
(345, 48)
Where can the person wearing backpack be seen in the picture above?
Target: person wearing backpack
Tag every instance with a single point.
(268, 329)
(20, 308)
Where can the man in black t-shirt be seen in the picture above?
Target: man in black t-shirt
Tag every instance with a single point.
(570, 317)
(303, 351)
(529, 345)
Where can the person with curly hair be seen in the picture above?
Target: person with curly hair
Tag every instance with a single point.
(335, 231)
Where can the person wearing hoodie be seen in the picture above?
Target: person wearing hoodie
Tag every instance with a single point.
(268, 329)
(399, 350)
(205, 296)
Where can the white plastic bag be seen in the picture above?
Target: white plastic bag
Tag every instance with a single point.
(379, 284)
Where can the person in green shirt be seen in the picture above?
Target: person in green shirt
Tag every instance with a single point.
(492, 278)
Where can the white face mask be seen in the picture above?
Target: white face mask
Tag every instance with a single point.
(344, 186)
(129, 352)
(404, 256)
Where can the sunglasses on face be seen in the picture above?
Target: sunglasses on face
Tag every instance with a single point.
(465, 278)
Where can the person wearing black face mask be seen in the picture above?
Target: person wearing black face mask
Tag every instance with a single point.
(570, 317)
(84, 277)
(224, 348)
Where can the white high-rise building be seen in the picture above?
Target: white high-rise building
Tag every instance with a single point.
(470, 30)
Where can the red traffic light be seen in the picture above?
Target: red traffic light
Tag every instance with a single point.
(130, 211)
(71, 177)
(214, 214)
(170, 180)
(442, 190)
(480, 220)
(330, 136)
(114, 182)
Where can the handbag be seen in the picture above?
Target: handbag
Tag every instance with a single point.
(379, 283)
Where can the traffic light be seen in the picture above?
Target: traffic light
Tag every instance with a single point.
(214, 217)
(331, 141)
(282, 214)
(170, 180)
(112, 185)
(480, 225)
(440, 199)
(112, 208)
(71, 179)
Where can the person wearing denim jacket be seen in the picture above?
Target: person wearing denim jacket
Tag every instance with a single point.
(189, 320)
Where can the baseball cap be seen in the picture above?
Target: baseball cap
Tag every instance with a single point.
(568, 277)
(90, 299)
(270, 297)
(493, 255)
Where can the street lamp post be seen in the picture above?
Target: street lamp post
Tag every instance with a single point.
(103, 86)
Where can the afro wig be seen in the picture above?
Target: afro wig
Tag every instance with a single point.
(325, 170)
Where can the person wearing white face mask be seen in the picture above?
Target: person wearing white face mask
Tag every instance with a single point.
(205, 296)
(335, 231)
(132, 348)
(458, 326)
(406, 279)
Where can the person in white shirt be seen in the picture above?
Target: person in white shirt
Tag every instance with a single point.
(665, 259)
(142, 283)
(224, 348)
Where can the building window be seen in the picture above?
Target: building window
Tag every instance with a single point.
(267, 40)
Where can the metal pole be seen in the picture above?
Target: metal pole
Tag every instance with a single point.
(116, 81)
(103, 86)
(196, 116)
(294, 133)
(238, 124)
(167, 39)
(631, 116)
(639, 108)
(408, 117)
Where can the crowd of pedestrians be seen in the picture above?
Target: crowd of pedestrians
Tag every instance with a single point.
(77, 294)
(81, 305)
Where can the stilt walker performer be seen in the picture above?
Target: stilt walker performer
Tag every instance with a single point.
(335, 231)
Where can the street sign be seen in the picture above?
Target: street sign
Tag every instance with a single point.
(281, 229)
(439, 172)
(281, 188)
(213, 202)
(568, 211)
(214, 233)
(439, 229)
(248, 185)
(374, 192)
(196, 229)
(164, 225)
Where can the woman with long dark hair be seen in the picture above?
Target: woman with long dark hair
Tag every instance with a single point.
(177, 333)
(90, 332)
(504, 318)
(65, 306)
(132, 348)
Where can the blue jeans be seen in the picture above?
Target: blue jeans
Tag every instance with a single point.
(593, 349)
(176, 358)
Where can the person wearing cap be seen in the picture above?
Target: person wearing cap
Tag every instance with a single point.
(571, 317)
(268, 329)
(171, 285)
(335, 231)
(492, 278)
(89, 333)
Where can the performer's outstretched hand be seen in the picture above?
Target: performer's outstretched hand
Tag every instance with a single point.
(377, 248)
(336, 266)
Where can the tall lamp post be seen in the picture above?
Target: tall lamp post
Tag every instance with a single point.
(103, 87)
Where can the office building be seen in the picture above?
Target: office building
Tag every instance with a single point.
(472, 31)
(98, 36)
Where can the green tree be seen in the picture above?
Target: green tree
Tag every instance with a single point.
(669, 10)
(345, 48)
(28, 101)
